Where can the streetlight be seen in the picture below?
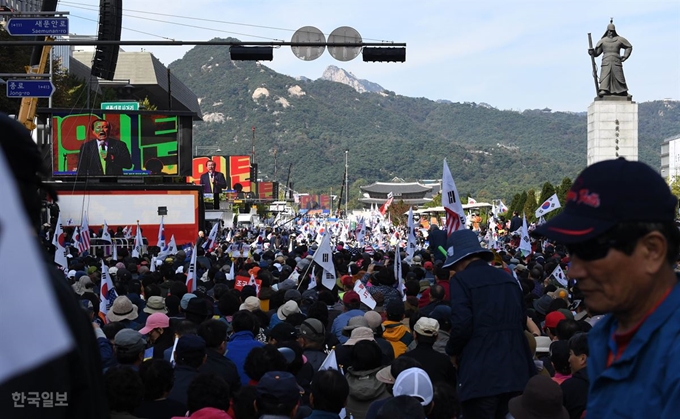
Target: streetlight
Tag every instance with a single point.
(206, 149)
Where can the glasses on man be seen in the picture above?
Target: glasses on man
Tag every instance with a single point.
(599, 247)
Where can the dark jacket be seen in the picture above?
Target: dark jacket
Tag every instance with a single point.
(184, 375)
(219, 182)
(575, 393)
(117, 158)
(438, 366)
(487, 332)
(223, 367)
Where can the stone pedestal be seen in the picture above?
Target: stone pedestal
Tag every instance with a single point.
(612, 129)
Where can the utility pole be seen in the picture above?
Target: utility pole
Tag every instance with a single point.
(346, 183)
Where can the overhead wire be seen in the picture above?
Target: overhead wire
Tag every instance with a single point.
(127, 13)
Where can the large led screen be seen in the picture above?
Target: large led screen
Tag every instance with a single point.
(115, 144)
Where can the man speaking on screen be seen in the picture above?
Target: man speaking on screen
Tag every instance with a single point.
(102, 155)
(213, 182)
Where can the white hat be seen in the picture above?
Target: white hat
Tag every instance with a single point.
(414, 382)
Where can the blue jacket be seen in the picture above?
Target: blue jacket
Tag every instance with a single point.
(487, 332)
(239, 346)
(645, 381)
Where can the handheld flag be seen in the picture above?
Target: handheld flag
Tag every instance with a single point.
(161, 235)
(232, 273)
(324, 257)
(559, 276)
(106, 236)
(471, 201)
(139, 243)
(58, 240)
(191, 276)
(411, 243)
(84, 242)
(211, 241)
(550, 204)
(107, 293)
(76, 239)
(383, 208)
(501, 207)
(525, 242)
(114, 253)
(330, 363)
(455, 216)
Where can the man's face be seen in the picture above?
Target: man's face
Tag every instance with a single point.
(211, 166)
(576, 362)
(613, 283)
(610, 33)
(101, 129)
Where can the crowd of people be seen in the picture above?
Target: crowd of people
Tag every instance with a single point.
(585, 325)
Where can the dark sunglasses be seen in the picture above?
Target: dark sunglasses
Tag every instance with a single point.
(599, 247)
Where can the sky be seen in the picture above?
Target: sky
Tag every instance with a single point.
(511, 54)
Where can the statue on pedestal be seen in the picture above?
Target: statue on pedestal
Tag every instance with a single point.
(612, 81)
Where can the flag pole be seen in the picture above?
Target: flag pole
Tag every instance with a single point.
(346, 184)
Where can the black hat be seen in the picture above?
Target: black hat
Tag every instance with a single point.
(283, 331)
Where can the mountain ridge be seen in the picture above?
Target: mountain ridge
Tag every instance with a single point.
(308, 125)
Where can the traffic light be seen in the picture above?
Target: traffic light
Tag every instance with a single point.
(240, 53)
(395, 55)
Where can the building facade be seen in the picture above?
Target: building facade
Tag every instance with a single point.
(670, 158)
(412, 193)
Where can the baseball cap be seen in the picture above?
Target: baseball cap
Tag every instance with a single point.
(553, 318)
(426, 326)
(279, 386)
(607, 193)
(154, 321)
(350, 297)
(283, 331)
(414, 382)
(312, 328)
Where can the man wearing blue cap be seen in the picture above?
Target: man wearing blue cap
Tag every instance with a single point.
(618, 224)
(487, 329)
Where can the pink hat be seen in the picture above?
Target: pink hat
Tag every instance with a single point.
(154, 321)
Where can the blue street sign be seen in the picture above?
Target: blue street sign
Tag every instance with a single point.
(29, 88)
(35, 26)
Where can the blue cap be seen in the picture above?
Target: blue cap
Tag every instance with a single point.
(280, 386)
(463, 243)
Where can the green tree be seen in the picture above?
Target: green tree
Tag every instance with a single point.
(514, 204)
(530, 205)
(547, 191)
(520, 204)
(562, 195)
